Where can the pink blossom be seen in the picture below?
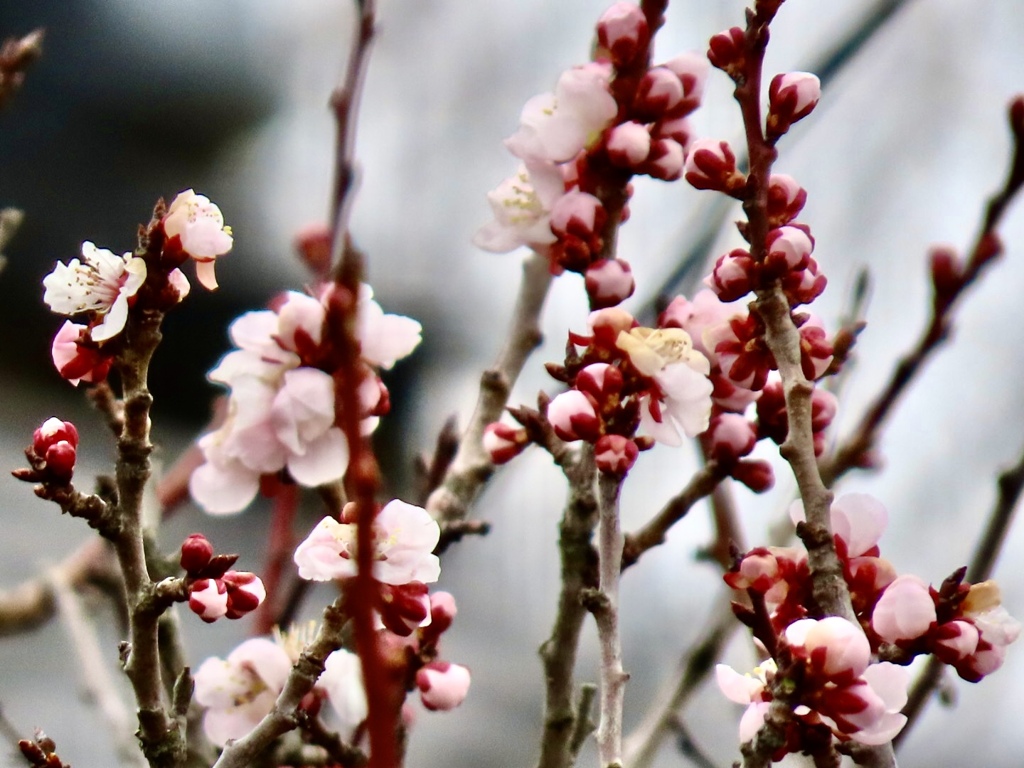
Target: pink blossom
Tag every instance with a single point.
(442, 685)
(208, 599)
(692, 70)
(100, 284)
(733, 275)
(600, 380)
(522, 207)
(666, 160)
(731, 436)
(786, 198)
(868, 711)
(74, 359)
(789, 248)
(749, 689)
(199, 228)
(578, 214)
(628, 144)
(573, 416)
(905, 611)
(833, 647)
(622, 30)
(659, 92)
(791, 97)
(404, 539)
(555, 127)
(246, 593)
(609, 282)
(383, 338)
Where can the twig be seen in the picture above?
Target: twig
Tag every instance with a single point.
(984, 251)
(95, 677)
(585, 725)
(653, 532)
(579, 573)
(1011, 485)
(605, 606)
(472, 466)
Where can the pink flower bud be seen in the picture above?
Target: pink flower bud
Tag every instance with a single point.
(313, 245)
(833, 647)
(442, 685)
(756, 474)
(573, 416)
(60, 461)
(733, 276)
(679, 129)
(725, 51)
(609, 282)
(442, 612)
(51, 432)
(955, 641)
(905, 611)
(758, 570)
(666, 160)
(786, 198)
(711, 164)
(196, 553)
(76, 361)
(659, 92)
(824, 406)
(628, 144)
(791, 97)
(607, 324)
(731, 437)
(815, 348)
(600, 380)
(692, 70)
(208, 599)
(245, 593)
(789, 249)
(503, 442)
(404, 607)
(577, 213)
(805, 285)
(622, 31)
(615, 455)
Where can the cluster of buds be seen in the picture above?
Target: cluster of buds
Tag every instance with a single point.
(102, 288)
(215, 591)
(900, 617)
(605, 122)
(52, 455)
(624, 379)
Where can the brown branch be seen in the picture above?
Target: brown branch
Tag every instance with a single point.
(579, 573)
(16, 55)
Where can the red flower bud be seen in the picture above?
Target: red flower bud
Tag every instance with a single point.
(196, 553)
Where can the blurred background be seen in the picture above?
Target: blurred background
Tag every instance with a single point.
(133, 101)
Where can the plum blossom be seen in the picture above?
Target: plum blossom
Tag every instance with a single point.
(522, 207)
(682, 404)
(240, 690)
(750, 689)
(555, 127)
(442, 685)
(281, 412)
(195, 226)
(404, 539)
(100, 283)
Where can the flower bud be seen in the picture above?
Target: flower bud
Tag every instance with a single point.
(628, 144)
(600, 380)
(711, 164)
(824, 406)
(313, 245)
(607, 324)
(577, 213)
(955, 641)
(51, 432)
(678, 129)
(573, 416)
(196, 553)
(833, 647)
(786, 198)
(404, 607)
(815, 350)
(609, 282)
(442, 613)
(622, 31)
(731, 437)
(733, 276)
(615, 455)
(725, 51)
(666, 161)
(905, 611)
(74, 359)
(756, 474)
(659, 92)
(442, 685)
(245, 593)
(60, 462)
(947, 275)
(805, 285)
(503, 442)
(791, 97)
(208, 599)
(789, 249)
(692, 70)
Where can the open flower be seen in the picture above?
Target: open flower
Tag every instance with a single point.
(522, 207)
(100, 283)
(404, 537)
(199, 228)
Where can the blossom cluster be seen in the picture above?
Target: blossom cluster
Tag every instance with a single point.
(102, 287)
(899, 616)
(214, 590)
(606, 121)
(282, 410)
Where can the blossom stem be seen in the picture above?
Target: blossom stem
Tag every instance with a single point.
(606, 613)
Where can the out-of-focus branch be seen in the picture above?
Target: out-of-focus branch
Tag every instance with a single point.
(1010, 485)
(950, 280)
(98, 683)
(16, 55)
(472, 466)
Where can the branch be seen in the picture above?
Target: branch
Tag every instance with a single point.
(472, 466)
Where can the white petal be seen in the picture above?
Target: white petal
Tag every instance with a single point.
(223, 490)
(326, 459)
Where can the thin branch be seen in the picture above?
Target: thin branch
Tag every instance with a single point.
(605, 607)
(98, 683)
(1011, 485)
